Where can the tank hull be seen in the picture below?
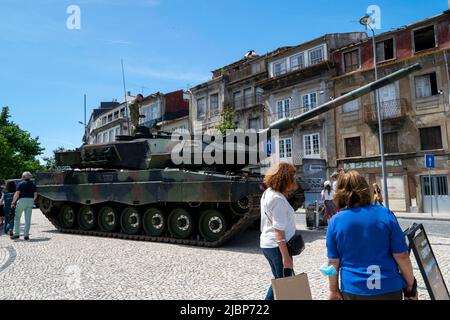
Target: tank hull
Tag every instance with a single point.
(234, 199)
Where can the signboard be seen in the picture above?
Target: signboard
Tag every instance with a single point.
(430, 161)
(429, 268)
(315, 173)
(371, 164)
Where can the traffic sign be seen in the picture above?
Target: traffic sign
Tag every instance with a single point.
(269, 147)
(430, 161)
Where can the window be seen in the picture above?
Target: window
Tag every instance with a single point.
(117, 131)
(391, 142)
(237, 99)
(284, 108)
(214, 104)
(154, 111)
(351, 60)
(111, 135)
(385, 50)
(256, 68)
(426, 86)
(311, 145)
(309, 101)
(424, 39)
(351, 106)
(145, 111)
(248, 97)
(279, 68)
(99, 138)
(116, 115)
(285, 148)
(438, 182)
(201, 112)
(254, 123)
(110, 117)
(103, 120)
(122, 113)
(105, 137)
(316, 56)
(353, 147)
(430, 138)
(297, 62)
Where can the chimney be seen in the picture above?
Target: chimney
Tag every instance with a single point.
(129, 92)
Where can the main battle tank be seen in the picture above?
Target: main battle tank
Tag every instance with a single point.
(131, 188)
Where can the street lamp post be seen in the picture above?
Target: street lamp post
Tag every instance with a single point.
(367, 22)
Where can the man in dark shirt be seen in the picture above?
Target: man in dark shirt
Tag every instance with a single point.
(23, 200)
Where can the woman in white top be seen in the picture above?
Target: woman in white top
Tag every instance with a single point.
(327, 197)
(278, 219)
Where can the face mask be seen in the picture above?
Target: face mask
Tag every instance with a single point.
(328, 271)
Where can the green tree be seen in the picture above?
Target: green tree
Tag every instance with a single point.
(50, 162)
(18, 150)
(227, 122)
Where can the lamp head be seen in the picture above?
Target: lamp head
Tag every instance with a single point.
(366, 20)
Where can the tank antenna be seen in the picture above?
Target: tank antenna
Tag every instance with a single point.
(126, 100)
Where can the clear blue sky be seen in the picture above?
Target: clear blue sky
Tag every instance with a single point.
(166, 44)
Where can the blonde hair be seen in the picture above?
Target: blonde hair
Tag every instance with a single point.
(27, 175)
(280, 176)
(352, 190)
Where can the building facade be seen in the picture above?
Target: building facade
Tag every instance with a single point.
(299, 81)
(414, 112)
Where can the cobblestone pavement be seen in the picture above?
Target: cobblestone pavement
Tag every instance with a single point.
(59, 266)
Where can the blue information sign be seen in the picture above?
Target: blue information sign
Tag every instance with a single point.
(430, 161)
(269, 146)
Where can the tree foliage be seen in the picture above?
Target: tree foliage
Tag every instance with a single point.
(227, 122)
(18, 150)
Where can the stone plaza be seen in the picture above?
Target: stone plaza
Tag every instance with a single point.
(60, 266)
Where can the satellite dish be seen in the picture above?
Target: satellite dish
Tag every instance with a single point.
(366, 20)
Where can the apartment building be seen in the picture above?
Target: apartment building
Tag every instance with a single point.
(414, 112)
(298, 81)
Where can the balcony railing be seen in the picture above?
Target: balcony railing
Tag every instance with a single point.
(390, 110)
(246, 72)
(247, 101)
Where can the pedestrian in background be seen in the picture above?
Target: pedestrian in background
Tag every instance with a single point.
(377, 195)
(327, 196)
(366, 247)
(278, 220)
(23, 200)
(6, 200)
(334, 178)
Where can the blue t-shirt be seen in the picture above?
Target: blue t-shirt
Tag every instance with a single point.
(364, 240)
(26, 188)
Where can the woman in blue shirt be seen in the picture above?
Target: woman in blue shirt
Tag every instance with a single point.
(6, 200)
(367, 247)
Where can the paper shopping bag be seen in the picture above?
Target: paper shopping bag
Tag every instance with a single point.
(292, 288)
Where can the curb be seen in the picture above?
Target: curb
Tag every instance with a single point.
(427, 218)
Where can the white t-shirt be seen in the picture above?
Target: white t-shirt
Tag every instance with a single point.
(326, 196)
(334, 186)
(281, 217)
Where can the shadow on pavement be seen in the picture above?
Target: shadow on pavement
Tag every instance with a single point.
(248, 241)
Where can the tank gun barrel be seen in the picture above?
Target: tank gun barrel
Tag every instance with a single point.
(286, 123)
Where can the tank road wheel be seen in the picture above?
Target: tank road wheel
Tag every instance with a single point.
(67, 217)
(108, 219)
(86, 218)
(45, 204)
(242, 206)
(154, 222)
(130, 221)
(181, 224)
(212, 225)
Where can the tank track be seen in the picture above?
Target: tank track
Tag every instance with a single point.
(243, 223)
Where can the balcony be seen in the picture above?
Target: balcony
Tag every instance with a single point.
(247, 101)
(245, 72)
(392, 111)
